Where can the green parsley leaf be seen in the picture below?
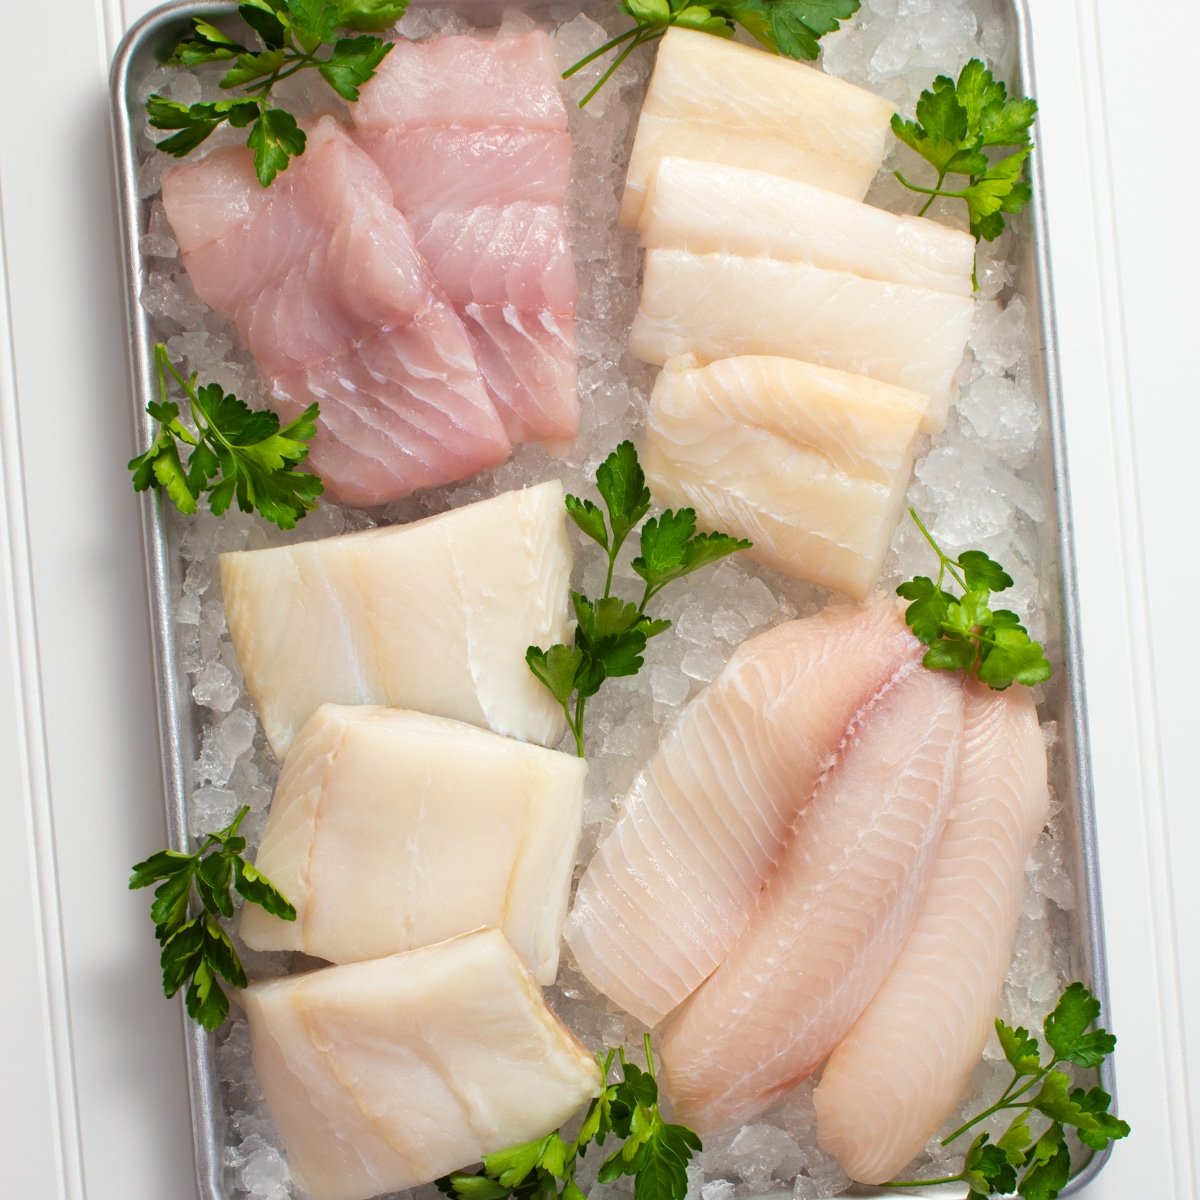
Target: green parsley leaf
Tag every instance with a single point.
(196, 951)
(1037, 1090)
(1022, 1051)
(1067, 1029)
(611, 633)
(236, 453)
(294, 34)
(654, 1153)
(956, 122)
(965, 633)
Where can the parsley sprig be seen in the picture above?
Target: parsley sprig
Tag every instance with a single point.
(196, 950)
(237, 452)
(293, 34)
(964, 633)
(1038, 1167)
(654, 1152)
(956, 124)
(611, 633)
(789, 27)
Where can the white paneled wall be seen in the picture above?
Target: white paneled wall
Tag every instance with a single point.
(92, 1090)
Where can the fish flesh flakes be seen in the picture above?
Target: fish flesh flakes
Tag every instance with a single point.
(434, 616)
(902, 1068)
(323, 279)
(723, 102)
(832, 917)
(384, 1075)
(674, 885)
(472, 134)
(810, 464)
(449, 828)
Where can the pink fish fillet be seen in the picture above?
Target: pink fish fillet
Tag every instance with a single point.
(323, 279)
(906, 1063)
(472, 134)
(833, 917)
(672, 887)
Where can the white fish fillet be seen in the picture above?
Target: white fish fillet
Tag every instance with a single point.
(810, 464)
(906, 1063)
(722, 305)
(435, 616)
(672, 887)
(721, 101)
(692, 205)
(833, 916)
(383, 1075)
(391, 829)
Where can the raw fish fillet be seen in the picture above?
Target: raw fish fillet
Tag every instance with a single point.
(810, 464)
(689, 204)
(908, 1060)
(434, 616)
(672, 887)
(720, 101)
(833, 916)
(383, 1075)
(391, 829)
(721, 305)
(321, 275)
(472, 134)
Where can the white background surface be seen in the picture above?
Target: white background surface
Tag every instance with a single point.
(92, 1091)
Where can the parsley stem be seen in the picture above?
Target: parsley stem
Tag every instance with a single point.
(933, 192)
(947, 564)
(937, 188)
(640, 40)
(611, 44)
(907, 1183)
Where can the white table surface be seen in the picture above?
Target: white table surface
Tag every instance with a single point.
(92, 1093)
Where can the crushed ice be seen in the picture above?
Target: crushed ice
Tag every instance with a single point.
(981, 482)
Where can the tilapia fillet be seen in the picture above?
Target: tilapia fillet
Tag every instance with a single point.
(472, 134)
(833, 915)
(446, 827)
(322, 277)
(722, 305)
(434, 616)
(722, 102)
(675, 883)
(900, 1071)
(383, 1075)
(810, 464)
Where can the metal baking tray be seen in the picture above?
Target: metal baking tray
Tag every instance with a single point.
(1065, 702)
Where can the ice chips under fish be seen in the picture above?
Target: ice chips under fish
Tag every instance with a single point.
(434, 616)
(386, 1074)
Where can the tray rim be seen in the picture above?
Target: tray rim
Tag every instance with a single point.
(200, 1045)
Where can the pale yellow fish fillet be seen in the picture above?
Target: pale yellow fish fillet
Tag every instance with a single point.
(711, 208)
(383, 1075)
(906, 1063)
(391, 829)
(434, 616)
(809, 463)
(725, 102)
(834, 914)
(672, 887)
(722, 305)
